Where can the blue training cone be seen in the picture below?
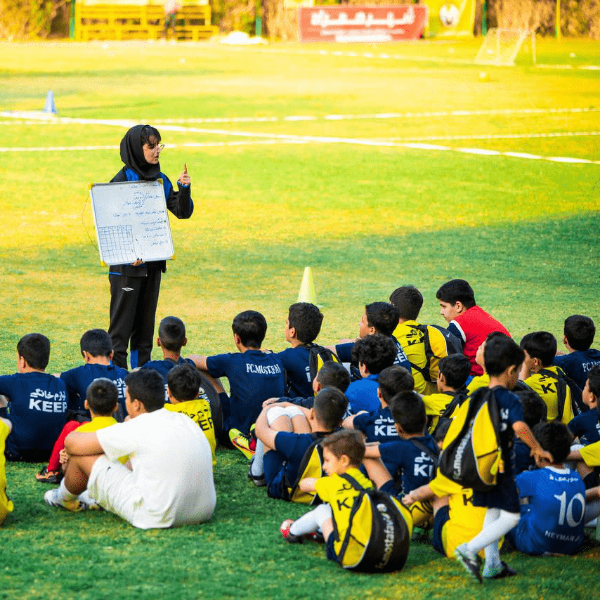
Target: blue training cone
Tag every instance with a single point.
(50, 107)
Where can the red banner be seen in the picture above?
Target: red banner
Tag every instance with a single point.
(361, 23)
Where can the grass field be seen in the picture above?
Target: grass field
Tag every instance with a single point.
(381, 166)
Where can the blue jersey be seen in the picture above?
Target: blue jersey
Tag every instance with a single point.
(586, 427)
(254, 376)
(362, 395)
(297, 370)
(78, 379)
(577, 365)
(344, 352)
(164, 366)
(407, 463)
(552, 521)
(377, 426)
(36, 408)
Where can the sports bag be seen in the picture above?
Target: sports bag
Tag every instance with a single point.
(563, 381)
(310, 466)
(378, 536)
(317, 355)
(471, 455)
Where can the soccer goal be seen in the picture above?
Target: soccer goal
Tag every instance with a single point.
(501, 46)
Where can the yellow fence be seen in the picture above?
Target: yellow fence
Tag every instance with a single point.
(134, 22)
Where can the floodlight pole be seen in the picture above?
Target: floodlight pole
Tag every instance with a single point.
(258, 22)
(72, 21)
(484, 19)
(558, 19)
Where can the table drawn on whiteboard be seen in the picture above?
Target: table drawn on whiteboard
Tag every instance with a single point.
(131, 222)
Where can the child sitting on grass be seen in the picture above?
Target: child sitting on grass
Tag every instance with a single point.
(400, 466)
(37, 402)
(97, 351)
(253, 375)
(302, 328)
(466, 320)
(373, 354)
(287, 436)
(378, 426)
(586, 426)
(183, 385)
(539, 374)
(552, 499)
(452, 376)
(579, 332)
(171, 339)
(343, 452)
(503, 360)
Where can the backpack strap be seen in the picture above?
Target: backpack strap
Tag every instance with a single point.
(561, 390)
(421, 446)
(353, 511)
(286, 484)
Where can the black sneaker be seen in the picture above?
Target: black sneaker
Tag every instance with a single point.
(500, 572)
(257, 480)
(290, 537)
(471, 562)
(45, 476)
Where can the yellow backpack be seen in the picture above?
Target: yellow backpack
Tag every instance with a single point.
(471, 454)
(311, 466)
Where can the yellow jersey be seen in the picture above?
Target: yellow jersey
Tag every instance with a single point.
(98, 423)
(435, 405)
(466, 520)
(412, 341)
(199, 412)
(547, 387)
(591, 454)
(478, 382)
(6, 505)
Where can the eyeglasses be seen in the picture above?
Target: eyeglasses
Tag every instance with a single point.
(159, 147)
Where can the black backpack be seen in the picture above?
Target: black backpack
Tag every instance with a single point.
(377, 525)
(562, 382)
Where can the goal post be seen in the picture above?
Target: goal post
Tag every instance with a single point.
(501, 46)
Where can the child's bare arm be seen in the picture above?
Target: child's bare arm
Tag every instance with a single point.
(199, 361)
(263, 431)
(372, 450)
(308, 484)
(78, 443)
(522, 430)
(423, 493)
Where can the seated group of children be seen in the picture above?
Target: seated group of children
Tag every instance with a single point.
(394, 390)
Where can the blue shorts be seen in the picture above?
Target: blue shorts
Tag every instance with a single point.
(442, 516)
(273, 470)
(503, 496)
(390, 488)
(331, 555)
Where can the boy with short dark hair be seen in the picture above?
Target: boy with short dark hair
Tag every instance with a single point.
(586, 426)
(285, 448)
(171, 339)
(381, 318)
(379, 426)
(409, 461)
(539, 374)
(466, 320)
(254, 376)
(171, 480)
(343, 452)
(183, 385)
(372, 353)
(552, 499)
(453, 373)
(302, 328)
(101, 400)
(97, 351)
(579, 332)
(424, 345)
(37, 402)
(503, 360)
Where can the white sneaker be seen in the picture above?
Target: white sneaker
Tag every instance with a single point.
(52, 498)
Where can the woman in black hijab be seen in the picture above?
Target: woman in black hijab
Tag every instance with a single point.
(134, 288)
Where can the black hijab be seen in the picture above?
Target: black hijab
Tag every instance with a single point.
(133, 155)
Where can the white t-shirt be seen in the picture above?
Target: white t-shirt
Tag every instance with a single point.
(171, 465)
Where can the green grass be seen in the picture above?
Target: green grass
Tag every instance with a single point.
(365, 218)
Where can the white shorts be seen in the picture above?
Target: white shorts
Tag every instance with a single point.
(111, 485)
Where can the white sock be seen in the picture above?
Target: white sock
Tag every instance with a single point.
(258, 468)
(497, 523)
(64, 495)
(311, 521)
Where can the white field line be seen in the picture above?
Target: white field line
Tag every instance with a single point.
(32, 118)
(335, 140)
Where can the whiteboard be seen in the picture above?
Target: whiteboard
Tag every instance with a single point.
(131, 221)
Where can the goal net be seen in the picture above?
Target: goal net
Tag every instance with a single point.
(501, 46)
